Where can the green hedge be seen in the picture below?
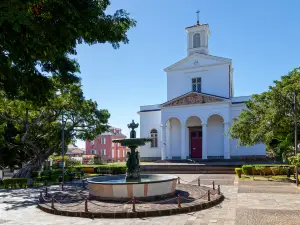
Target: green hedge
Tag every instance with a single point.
(265, 170)
(103, 169)
(55, 174)
(15, 183)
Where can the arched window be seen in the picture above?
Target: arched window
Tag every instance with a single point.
(153, 135)
(196, 40)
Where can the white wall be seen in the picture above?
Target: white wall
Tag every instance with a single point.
(215, 136)
(215, 80)
(259, 149)
(148, 121)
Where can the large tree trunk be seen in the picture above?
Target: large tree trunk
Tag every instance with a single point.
(34, 164)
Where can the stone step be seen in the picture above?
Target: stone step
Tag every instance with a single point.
(188, 168)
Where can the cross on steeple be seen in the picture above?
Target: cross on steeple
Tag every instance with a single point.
(198, 23)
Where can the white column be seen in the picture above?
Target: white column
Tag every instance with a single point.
(169, 142)
(226, 142)
(163, 142)
(204, 141)
(183, 141)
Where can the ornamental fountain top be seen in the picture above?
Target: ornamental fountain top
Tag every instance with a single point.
(132, 126)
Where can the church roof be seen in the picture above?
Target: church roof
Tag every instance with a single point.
(194, 98)
(214, 60)
(197, 25)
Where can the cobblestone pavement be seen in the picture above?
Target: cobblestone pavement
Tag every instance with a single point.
(243, 205)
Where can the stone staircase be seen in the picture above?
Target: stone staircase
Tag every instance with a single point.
(181, 168)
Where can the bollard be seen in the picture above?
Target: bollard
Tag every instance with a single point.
(46, 192)
(178, 200)
(52, 203)
(208, 195)
(41, 197)
(178, 180)
(62, 186)
(198, 181)
(213, 185)
(219, 190)
(86, 206)
(133, 204)
(82, 183)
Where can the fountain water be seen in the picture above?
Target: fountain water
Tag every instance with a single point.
(133, 184)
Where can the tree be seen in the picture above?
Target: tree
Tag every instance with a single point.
(269, 117)
(35, 132)
(38, 38)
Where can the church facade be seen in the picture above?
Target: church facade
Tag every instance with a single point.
(200, 107)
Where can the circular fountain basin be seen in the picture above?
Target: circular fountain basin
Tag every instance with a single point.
(150, 187)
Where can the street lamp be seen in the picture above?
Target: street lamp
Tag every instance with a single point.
(63, 150)
(296, 130)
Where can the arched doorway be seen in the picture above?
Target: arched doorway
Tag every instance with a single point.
(215, 136)
(194, 126)
(173, 139)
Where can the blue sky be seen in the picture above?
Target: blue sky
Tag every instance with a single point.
(261, 37)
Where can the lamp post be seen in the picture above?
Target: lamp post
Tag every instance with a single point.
(296, 130)
(63, 149)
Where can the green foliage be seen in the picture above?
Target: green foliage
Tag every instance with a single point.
(15, 182)
(265, 169)
(260, 169)
(41, 138)
(39, 39)
(238, 172)
(295, 160)
(269, 117)
(104, 169)
(275, 170)
(98, 161)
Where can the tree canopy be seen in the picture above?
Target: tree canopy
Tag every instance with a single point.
(31, 134)
(38, 38)
(269, 117)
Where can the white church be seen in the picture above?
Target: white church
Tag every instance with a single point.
(199, 110)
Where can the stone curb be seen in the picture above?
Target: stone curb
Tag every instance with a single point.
(236, 181)
(154, 213)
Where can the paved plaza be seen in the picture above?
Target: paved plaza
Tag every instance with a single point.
(246, 202)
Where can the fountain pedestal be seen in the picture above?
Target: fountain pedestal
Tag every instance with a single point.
(133, 165)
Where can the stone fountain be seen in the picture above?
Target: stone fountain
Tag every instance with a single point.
(133, 184)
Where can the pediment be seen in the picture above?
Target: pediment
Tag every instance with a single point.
(197, 60)
(193, 98)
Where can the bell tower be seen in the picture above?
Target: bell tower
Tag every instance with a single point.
(197, 38)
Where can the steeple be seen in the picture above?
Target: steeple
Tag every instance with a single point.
(197, 37)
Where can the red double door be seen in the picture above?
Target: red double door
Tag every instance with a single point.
(196, 144)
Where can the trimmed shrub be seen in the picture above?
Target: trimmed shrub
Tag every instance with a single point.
(238, 172)
(103, 169)
(15, 182)
(275, 170)
(261, 170)
(247, 169)
(265, 169)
